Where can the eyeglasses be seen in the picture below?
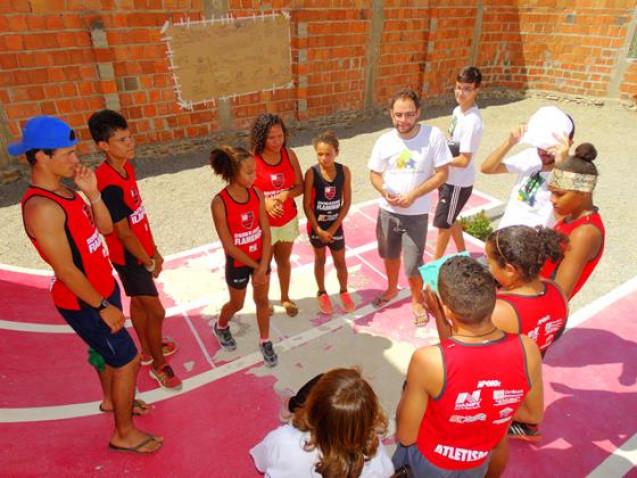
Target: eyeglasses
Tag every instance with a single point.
(407, 115)
(464, 89)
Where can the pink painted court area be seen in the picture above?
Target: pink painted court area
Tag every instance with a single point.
(49, 418)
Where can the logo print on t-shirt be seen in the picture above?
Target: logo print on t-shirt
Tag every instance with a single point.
(330, 192)
(405, 160)
(247, 220)
(529, 188)
(88, 213)
(137, 200)
(277, 180)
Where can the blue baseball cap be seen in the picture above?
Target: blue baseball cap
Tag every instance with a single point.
(44, 132)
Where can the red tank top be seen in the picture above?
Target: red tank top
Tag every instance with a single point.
(243, 223)
(541, 316)
(137, 220)
(484, 385)
(550, 268)
(272, 179)
(88, 251)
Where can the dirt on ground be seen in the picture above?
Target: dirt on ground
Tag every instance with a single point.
(177, 189)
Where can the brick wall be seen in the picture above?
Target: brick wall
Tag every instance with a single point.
(71, 57)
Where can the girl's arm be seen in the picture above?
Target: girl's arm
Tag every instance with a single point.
(505, 318)
(219, 218)
(584, 244)
(307, 200)
(347, 201)
(297, 189)
(264, 222)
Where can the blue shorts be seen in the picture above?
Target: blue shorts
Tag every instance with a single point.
(117, 349)
(420, 466)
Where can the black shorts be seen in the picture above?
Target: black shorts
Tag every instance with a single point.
(117, 348)
(338, 239)
(451, 200)
(238, 277)
(136, 280)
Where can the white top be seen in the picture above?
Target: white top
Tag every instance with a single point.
(281, 455)
(407, 163)
(530, 200)
(466, 129)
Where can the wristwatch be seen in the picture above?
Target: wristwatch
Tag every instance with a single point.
(102, 305)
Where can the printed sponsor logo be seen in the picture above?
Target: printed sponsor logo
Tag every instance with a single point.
(553, 326)
(460, 454)
(505, 412)
(277, 180)
(253, 247)
(500, 421)
(489, 383)
(138, 216)
(330, 192)
(94, 242)
(249, 237)
(468, 401)
(506, 397)
(247, 220)
(137, 200)
(480, 417)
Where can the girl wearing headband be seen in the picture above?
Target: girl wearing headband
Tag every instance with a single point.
(571, 184)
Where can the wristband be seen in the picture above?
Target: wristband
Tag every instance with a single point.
(95, 201)
(102, 305)
(151, 267)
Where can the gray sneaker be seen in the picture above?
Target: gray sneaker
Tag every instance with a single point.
(270, 358)
(224, 337)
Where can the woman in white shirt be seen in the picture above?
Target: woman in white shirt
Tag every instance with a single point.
(335, 433)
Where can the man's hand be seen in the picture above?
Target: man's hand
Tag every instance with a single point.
(432, 304)
(113, 317)
(87, 181)
(516, 134)
(405, 200)
(560, 150)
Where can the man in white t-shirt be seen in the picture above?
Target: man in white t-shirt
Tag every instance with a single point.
(530, 200)
(406, 164)
(465, 132)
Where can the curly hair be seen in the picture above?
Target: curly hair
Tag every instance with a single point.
(261, 128)
(344, 421)
(327, 137)
(226, 161)
(526, 248)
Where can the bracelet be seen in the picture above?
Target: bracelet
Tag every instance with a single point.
(95, 201)
(151, 267)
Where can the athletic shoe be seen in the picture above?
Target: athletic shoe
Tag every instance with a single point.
(347, 302)
(224, 336)
(325, 304)
(166, 377)
(525, 431)
(168, 348)
(270, 358)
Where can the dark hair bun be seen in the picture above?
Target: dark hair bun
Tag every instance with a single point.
(586, 152)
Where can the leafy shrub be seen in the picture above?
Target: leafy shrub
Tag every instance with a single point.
(477, 225)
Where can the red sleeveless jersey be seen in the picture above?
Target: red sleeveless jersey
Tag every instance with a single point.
(243, 223)
(541, 316)
(550, 268)
(272, 179)
(137, 220)
(89, 254)
(484, 385)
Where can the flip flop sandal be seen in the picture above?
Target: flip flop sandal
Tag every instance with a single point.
(137, 448)
(137, 403)
(421, 318)
(290, 308)
(380, 301)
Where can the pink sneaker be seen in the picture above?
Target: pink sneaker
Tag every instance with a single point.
(347, 302)
(166, 377)
(325, 304)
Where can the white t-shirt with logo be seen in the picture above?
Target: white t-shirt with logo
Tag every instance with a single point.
(281, 455)
(530, 200)
(466, 129)
(407, 163)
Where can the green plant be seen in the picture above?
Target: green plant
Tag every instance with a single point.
(477, 225)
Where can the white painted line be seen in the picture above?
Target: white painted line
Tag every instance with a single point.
(199, 340)
(619, 463)
(26, 270)
(61, 412)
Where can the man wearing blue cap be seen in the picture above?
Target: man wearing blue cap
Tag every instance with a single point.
(65, 230)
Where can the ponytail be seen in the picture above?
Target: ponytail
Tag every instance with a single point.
(226, 160)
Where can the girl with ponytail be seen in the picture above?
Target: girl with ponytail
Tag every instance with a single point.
(571, 183)
(239, 215)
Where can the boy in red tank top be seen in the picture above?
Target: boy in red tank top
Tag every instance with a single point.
(65, 230)
(452, 417)
(131, 245)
